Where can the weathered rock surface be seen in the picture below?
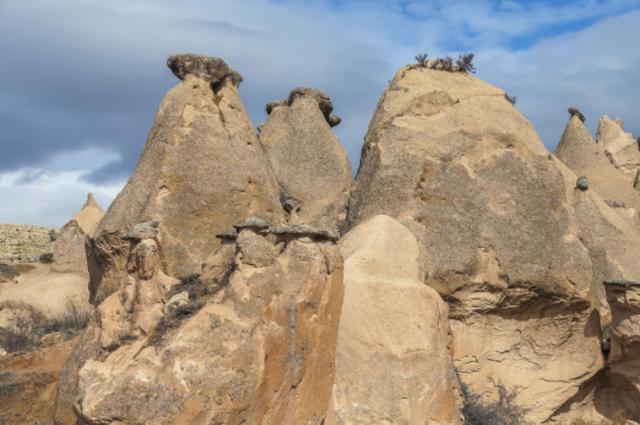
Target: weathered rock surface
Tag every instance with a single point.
(310, 165)
(256, 347)
(451, 159)
(392, 361)
(585, 157)
(201, 170)
(69, 252)
(620, 147)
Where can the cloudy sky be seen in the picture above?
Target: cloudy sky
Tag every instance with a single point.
(80, 79)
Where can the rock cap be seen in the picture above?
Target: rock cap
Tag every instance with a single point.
(144, 230)
(228, 234)
(256, 223)
(210, 68)
(302, 230)
(324, 103)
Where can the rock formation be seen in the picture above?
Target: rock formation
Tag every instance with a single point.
(585, 157)
(69, 253)
(620, 147)
(477, 267)
(201, 170)
(392, 360)
(310, 165)
(255, 347)
(450, 158)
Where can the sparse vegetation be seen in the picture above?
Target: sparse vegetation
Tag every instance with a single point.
(28, 325)
(172, 319)
(511, 99)
(465, 62)
(421, 59)
(502, 411)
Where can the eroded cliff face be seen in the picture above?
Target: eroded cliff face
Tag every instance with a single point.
(201, 170)
(253, 342)
(450, 158)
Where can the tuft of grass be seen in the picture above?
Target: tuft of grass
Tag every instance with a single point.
(421, 59)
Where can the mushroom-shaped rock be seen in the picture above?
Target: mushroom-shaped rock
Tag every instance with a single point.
(310, 165)
(202, 170)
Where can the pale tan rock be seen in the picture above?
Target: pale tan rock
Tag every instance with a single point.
(585, 157)
(259, 349)
(310, 165)
(392, 359)
(201, 170)
(448, 156)
(622, 148)
(69, 252)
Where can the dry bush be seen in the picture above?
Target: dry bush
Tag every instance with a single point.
(29, 325)
(502, 411)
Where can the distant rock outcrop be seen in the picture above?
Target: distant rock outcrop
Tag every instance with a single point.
(310, 165)
(201, 170)
(620, 147)
(69, 252)
(585, 157)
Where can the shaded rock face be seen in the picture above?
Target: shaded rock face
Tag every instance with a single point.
(585, 157)
(620, 147)
(201, 170)
(308, 160)
(391, 322)
(69, 252)
(252, 341)
(449, 157)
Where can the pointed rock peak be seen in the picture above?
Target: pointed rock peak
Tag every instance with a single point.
(575, 133)
(611, 129)
(324, 102)
(91, 202)
(209, 68)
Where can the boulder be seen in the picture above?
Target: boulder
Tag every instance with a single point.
(310, 165)
(578, 151)
(202, 170)
(448, 156)
(257, 347)
(69, 252)
(620, 147)
(393, 363)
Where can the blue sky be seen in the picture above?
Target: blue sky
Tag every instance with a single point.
(81, 79)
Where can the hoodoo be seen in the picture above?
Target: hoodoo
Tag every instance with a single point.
(201, 170)
(310, 165)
